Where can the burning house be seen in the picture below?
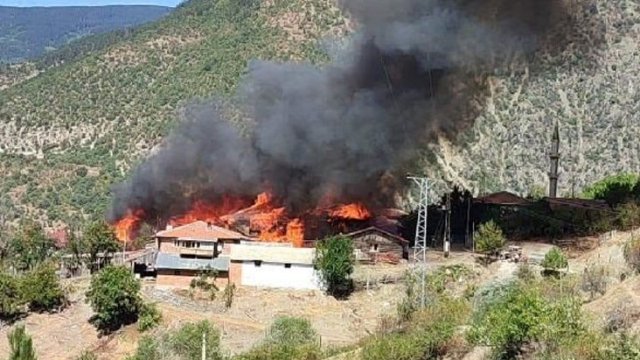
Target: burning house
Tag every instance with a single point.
(373, 245)
(186, 250)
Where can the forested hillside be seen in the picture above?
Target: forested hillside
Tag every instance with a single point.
(29, 32)
(72, 131)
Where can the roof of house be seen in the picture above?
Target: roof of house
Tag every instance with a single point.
(200, 230)
(380, 231)
(502, 198)
(588, 204)
(272, 254)
(175, 262)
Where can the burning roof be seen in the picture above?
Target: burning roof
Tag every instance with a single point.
(200, 230)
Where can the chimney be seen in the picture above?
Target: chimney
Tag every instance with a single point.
(554, 157)
(169, 227)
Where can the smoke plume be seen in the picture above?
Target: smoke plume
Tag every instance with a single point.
(349, 130)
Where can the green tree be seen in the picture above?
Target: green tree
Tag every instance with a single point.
(187, 341)
(291, 330)
(335, 261)
(149, 317)
(114, 297)
(41, 290)
(75, 247)
(29, 246)
(100, 241)
(21, 345)
(553, 261)
(10, 300)
(614, 189)
(489, 238)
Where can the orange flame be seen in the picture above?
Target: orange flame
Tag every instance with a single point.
(125, 225)
(354, 211)
(212, 212)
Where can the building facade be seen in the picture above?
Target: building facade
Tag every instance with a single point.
(375, 245)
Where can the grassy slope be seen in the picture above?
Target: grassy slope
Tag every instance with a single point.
(75, 129)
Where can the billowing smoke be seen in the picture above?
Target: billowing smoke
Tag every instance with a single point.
(349, 130)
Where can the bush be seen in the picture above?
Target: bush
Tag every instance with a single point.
(525, 272)
(614, 189)
(229, 293)
(554, 261)
(147, 350)
(621, 347)
(595, 279)
(21, 345)
(86, 355)
(628, 215)
(114, 297)
(187, 341)
(489, 238)
(41, 290)
(631, 253)
(10, 299)
(148, 317)
(29, 246)
(206, 282)
(291, 330)
(335, 262)
(426, 336)
(521, 315)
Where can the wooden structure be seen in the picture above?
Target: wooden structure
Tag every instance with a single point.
(376, 245)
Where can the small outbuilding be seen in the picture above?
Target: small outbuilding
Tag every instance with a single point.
(273, 265)
(376, 245)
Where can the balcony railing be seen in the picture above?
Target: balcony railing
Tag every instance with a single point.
(197, 252)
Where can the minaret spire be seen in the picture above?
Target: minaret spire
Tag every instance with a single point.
(554, 157)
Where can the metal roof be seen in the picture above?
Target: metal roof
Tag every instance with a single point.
(272, 254)
(176, 262)
(386, 234)
(502, 198)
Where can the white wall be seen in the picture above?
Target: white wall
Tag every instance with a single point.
(276, 275)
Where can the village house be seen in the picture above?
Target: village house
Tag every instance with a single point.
(184, 251)
(374, 245)
(274, 265)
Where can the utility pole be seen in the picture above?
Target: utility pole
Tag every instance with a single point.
(446, 243)
(554, 157)
(204, 345)
(419, 258)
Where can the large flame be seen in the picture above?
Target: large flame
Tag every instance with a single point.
(125, 226)
(264, 218)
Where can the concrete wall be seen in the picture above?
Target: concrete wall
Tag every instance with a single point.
(278, 276)
(169, 279)
(166, 246)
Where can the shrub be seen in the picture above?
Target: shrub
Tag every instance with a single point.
(628, 215)
(489, 238)
(29, 246)
(148, 317)
(114, 297)
(21, 345)
(521, 315)
(631, 253)
(621, 347)
(554, 261)
(41, 290)
(147, 350)
(614, 189)
(525, 272)
(292, 331)
(335, 262)
(187, 341)
(229, 293)
(86, 355)
(595, 279)
(206, 282)
(10, 299)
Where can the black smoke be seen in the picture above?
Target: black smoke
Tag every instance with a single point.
(351, 129)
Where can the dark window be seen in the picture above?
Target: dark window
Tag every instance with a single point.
(287, 266)
(257, 263)
(176, 272)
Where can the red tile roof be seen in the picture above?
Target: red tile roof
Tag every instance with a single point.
(200, 230)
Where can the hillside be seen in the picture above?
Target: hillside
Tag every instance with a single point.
(29, 32)
(75, 129)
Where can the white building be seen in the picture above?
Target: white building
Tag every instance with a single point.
(274, 266)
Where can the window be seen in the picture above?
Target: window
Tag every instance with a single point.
(257, 263)
(374, 248)
(176, 272)
(287, 266)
